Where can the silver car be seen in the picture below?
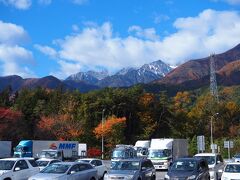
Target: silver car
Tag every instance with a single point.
(132, 169)
(67, 171)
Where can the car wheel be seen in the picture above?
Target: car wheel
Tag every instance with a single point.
(93, 178)
(7, 179)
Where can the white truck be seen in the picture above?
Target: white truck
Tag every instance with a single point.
(5, 149)
(82, 150)
(47, 149)
(141, 147)
(123, 151)
(164, 151)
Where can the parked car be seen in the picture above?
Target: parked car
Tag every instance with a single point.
(215, 163)
(43, 162)
(17, 168)
(133, 169)
(98, 164)
(236, 158)
(231, 171)
(188, 168)
(67, 171)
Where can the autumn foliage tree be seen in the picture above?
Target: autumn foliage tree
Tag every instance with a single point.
(112, 130)
(10, 124)
(60, 127)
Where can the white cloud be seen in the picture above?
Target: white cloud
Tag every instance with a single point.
(79, 2)
(149, 33)
(14, 59)
(195, 37)
(75, 27)
(45, 2)
(19, 4)
(11, 33)
(158, 18)
(46, 50)
(231, 2)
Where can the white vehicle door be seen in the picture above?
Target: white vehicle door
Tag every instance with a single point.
(100, 168)
(21, 170)
(96, 165)
(33, 168)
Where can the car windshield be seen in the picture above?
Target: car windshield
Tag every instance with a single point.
(48, 154)
(125, 165)
(6, 165)
(209, 159)
(159, 153)
(184, 165)
(237, 156)
(232, 168)
(56, 168)
(42, 163)
(118, 154)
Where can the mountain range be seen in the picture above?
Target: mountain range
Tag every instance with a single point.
(92, 80)
(155, 76)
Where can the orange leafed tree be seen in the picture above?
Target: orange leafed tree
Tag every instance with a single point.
(60, 127)
(112, 130)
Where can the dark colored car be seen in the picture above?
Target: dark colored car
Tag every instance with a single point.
(132, 169)
(188, 168)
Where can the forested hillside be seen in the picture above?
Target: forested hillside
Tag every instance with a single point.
(129, 115)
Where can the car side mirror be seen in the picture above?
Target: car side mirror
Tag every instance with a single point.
(218, 162)
(220, 171)
(143, 168)
(17, 169)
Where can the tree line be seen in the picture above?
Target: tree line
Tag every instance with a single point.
(128, 115)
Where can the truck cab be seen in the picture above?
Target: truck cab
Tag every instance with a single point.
(23, 149)
(161, 158)
(52, 154)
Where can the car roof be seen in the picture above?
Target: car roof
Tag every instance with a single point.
(134, 159)
(188, 158)
(70, 163)
(15, 159)
(47, 159)
(233, 163)
(89, 159)
(206, 154)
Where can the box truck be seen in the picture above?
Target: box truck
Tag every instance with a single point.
(47, 149)
(163, 152)
(5, 149)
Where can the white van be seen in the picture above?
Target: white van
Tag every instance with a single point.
(215, 163)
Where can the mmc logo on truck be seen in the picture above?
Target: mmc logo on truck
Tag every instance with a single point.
(63, 146)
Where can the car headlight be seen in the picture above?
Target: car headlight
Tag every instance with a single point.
(106, 176)
(129, 177)
(191, 177)
(167, 176)
(225, 178)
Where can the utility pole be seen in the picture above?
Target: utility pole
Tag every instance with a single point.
(102, 133)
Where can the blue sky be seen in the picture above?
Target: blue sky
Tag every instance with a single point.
(62, 37)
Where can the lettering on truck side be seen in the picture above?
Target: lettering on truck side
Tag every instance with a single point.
(67, 146)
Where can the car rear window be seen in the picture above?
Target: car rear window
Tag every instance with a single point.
(33, 163)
